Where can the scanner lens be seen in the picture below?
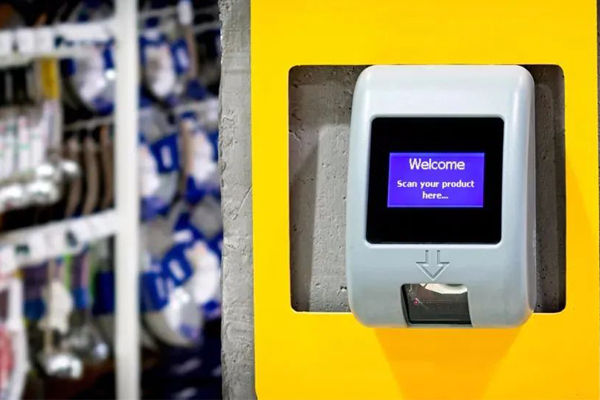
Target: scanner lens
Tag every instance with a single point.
(436, 303)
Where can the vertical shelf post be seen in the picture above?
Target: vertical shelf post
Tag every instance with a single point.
(127, 342)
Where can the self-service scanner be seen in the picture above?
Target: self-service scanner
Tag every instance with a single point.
(440, 224)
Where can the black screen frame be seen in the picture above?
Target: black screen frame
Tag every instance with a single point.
(457, 225)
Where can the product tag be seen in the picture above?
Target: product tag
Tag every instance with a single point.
(7, 40)
(185, 12)
(38, 248)
(23, 148)
(82, 231)
(57, 241)
(25, 39)
(44, 40)
(149, 181)
(8, 260)
(10, 143)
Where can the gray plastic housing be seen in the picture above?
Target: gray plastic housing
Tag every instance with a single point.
(500, 278)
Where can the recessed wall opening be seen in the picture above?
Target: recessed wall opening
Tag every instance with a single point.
(320, 102)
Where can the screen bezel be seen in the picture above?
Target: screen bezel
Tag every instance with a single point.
(410, 225)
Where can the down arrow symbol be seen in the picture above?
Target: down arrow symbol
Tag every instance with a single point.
(432, 271)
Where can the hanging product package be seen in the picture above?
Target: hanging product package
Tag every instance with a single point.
(90, 81)
(35, 278)
(56, 358)
(14, 362)
(200, 165)
(158, 66)
(169, 310)
(166, 153)
(152, 203)
(165, 60)
(181, 57)
(84, 337)
(205, 282)
(159, 161)
(104, 304)
(103, 284)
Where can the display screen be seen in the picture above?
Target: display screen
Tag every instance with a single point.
(436, 180)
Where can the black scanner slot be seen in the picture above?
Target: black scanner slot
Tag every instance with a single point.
(436, 304)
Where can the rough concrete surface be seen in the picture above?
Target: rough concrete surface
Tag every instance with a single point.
(236, 186)
(319, 118)
(550, 187)
(319, 115)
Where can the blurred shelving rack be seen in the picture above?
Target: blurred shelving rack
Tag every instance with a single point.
(122, 221)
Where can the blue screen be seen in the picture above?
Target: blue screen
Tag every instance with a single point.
(436, 180)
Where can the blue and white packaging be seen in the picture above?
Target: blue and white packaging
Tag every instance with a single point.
(181, 56)
(149, 183)
(169, 309)
(92, 78)
(205, 282)
(158, 65)
(201, 163)
(166, 153)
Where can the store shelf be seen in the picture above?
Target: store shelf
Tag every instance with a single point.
(32, 246)
(39, 243)
(68, 40)
(18, 59)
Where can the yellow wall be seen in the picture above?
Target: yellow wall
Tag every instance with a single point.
(330, 355)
